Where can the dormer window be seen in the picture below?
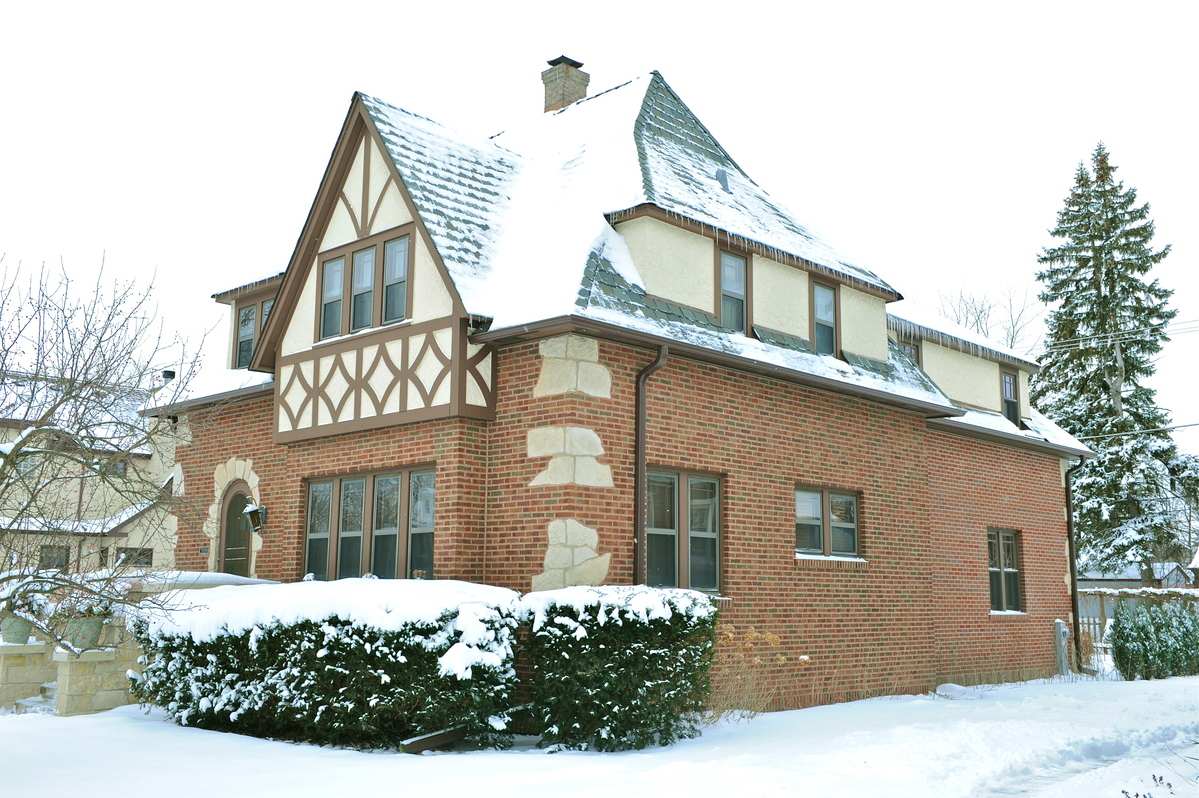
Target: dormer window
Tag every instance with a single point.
(267, 304)
(381, 261)
(824, 319)
(247, 327)
(1009, 394)
(395, 279)
(363, 288)
(732, 291)
(331, 294)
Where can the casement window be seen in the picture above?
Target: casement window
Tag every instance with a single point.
(824, 319)
(1009, 396)
(733, 291)
(371, 523)
(1003, 555)
(135, 557)
(372, 290)
(251, 319)
(247, 328)
(683, 531)
(53, 558)
(826, 522)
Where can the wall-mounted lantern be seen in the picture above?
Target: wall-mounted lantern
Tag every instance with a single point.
(256, 515)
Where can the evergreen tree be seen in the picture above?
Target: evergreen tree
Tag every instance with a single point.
(1106, 325)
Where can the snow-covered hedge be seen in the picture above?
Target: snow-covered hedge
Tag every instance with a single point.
(361, 662)
(619, 667)
(1156, 640)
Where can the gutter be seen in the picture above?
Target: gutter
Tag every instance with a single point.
(1073, 560)
(1039, 444)
(640, 477)
(187, 404)
(573, 323)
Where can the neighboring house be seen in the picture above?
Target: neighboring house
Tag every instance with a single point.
(1160, 574)
(71, 518)
(483, 350)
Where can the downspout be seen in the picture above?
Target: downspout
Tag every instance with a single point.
(640, 480)
(1073, 560)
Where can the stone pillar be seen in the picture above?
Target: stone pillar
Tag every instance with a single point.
(24, 668)
(95, 680)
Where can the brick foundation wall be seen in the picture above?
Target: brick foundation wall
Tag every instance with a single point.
(913, 615)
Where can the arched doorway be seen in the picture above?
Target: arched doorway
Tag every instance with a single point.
(235, 531)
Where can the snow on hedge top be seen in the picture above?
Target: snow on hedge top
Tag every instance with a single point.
(387, 604)
(617, 603)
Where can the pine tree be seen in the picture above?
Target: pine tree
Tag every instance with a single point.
(1106, 325)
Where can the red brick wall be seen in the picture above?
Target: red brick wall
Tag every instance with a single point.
(915, 614)
(243, 429)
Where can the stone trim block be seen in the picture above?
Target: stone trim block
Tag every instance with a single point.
(572, 452)
(571, 558)
(570, 365)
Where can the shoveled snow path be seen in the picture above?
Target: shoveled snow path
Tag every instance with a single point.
(1059, 738)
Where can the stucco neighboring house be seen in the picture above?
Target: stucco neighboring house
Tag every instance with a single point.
(83, 521)
(591, 349)
(1160, 574)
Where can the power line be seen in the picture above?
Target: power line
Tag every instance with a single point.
(1135, 432)
(1119, 337)
(1183, 323)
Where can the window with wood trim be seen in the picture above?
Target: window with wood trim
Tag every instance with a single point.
(683, 530)
(379, 523)
(911, 348)
(824, 319)
(374, 289)
(1003, 566)
(826, 522)
(251, 317)
(135, 557)
(734, 291)
(54, 558)
(1009, 396)
(247, 329)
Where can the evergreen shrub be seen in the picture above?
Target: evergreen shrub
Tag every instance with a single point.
(1155, 641)
(619, 667)
(335, 679)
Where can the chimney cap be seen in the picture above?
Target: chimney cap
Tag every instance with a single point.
(565, 59)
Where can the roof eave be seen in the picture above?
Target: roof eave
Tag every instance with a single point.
(575, 323)
(176, 408)
(963, 428)
(230, 294)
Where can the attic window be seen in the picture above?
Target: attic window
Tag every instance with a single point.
(1009, 389)
(733, 291)
(722, 177)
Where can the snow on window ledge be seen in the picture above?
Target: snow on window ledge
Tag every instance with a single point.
(1008, 612)
(803, 555)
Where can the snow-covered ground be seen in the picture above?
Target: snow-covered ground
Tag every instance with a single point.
(1048, 738)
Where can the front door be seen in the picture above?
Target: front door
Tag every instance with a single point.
(235, 556)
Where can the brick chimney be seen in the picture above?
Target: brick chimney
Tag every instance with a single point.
(565, 83)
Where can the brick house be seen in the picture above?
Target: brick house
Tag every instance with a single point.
(485, 353)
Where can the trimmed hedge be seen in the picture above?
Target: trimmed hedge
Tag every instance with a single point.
(615, 668)
(1155, 641)
(337, 681)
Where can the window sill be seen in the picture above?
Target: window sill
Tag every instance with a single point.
(336, 339)
(1008, 613)
(836, 561)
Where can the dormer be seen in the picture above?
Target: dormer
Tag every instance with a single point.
(249, 309)
(749, 289)
(972, 371)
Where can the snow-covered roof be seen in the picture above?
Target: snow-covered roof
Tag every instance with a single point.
(97, 418)
(551, 186)
(1040, 430)
(87, 527)
(909, 319)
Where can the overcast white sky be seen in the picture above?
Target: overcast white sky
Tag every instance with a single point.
(932, 142)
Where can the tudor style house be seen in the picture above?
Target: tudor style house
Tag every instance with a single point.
(591, 349)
